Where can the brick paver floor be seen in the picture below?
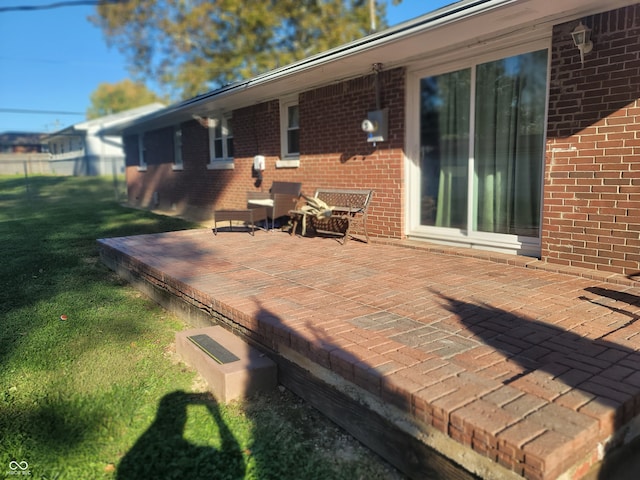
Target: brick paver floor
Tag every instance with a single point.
(527, 366)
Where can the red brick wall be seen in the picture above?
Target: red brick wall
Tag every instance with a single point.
(334, 153)
(159, 158)
(195, 185)
(592, 178)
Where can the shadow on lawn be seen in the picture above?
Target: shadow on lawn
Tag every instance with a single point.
(163, 452)
(48, 230)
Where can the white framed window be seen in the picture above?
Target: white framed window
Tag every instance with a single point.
(220, 143)
(142, 153)
(289, 132)
(177, 148)
(479, 131)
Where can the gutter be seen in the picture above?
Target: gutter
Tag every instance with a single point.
(455, 12)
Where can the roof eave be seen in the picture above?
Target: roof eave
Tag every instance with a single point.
(446, 25)
(184, 110)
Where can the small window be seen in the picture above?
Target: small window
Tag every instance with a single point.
(142, 165)
(177, 148)
(293, 130)
(289, 132)
(220, 142)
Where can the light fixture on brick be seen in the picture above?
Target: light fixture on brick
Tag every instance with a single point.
(205, 121)
(582, 39)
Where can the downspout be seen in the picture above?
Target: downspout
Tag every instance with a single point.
(377, 68)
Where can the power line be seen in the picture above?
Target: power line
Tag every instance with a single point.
(72, 3)
(43, 112)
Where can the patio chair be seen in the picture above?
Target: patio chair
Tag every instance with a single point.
(281, 198)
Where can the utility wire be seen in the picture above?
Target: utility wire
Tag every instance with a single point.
(71, 3)
(44, 112)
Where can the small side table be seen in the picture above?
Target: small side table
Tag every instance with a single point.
(247, 215)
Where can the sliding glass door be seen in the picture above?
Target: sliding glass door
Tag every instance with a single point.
(509, 144)
(444, 146)
(482, 147)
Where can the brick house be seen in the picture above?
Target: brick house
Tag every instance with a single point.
(21, 142)
(501, 135)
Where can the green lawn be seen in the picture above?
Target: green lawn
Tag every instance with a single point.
(101, 394)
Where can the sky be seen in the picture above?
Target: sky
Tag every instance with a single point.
(52, 60)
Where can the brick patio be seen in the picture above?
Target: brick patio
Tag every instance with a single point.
(508, 365)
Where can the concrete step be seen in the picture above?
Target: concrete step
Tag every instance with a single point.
(232, 368)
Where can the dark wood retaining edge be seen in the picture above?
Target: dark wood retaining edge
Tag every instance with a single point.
(403, 450)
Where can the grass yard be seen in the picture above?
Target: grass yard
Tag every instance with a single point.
(100, 394)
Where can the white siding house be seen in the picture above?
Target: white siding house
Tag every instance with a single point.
(83, 148)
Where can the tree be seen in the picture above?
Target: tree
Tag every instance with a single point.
(192, 46)
(111, 98)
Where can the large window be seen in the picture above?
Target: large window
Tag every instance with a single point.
(142, 153)
(289, 131)
(293, 130)
(444, 146)
(220, 142)
(178, 164)
(509, 144)
(482, 146)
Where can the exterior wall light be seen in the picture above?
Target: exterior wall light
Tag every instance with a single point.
(582, 39)
(205, 122)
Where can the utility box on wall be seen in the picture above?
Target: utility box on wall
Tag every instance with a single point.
(376, 125)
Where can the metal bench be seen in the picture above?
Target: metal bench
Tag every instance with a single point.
(348, 213)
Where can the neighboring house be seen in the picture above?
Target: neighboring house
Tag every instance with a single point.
(22, 142)
(501, 134)
(23, 153)
(83, 148)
